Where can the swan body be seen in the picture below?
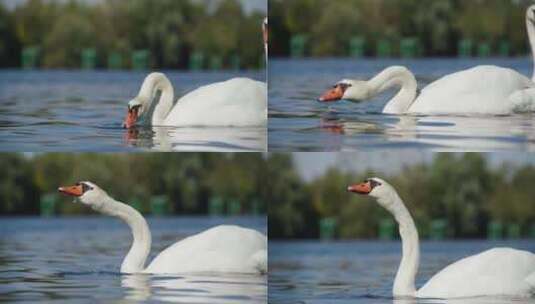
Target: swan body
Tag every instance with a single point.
(480, 90)
(495, 272)
(219, 249)
(500, 271)
(235, 102)
(491, 90)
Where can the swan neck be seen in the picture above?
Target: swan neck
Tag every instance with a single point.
(531, 36)
(404, 283)
(401, 78)
(154, 83)
(139, 251)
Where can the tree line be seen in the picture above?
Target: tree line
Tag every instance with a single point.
(189, 181)
(438, 25)
(463, 190)
(170, 30)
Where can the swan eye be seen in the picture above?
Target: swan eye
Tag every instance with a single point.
(134, 107)
(373, 183)
(344, 86)
(86, 187)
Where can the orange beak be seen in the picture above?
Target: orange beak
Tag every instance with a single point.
(131, 118)
(362, 188)
(333, 94)
(75, 190)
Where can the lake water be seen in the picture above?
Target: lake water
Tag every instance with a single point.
(363, 271)
(77, 260)
(299, 123)
(84, 110)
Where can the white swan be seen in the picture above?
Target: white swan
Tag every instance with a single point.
(479, 90)
(218, 249)
(237, 102)
(498, 271)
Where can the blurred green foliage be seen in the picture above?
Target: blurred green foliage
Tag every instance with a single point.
(169, 29)
(189, 180)
(463, 189)
(438, 24)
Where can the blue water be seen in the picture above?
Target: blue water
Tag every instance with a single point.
(299, 123)
(77, 260)
(363, 271)
(84, 110)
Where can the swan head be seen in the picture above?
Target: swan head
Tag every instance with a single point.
(346, 89)
(376, 188)
(135, 109)
(530, 14)
(87, 193)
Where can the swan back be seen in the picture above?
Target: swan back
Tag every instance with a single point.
(482, 90)
(498, 271)
(223, 248)
(235, 102)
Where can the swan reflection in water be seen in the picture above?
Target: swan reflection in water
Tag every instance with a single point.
(220, 139)
(196, 288)
(477, 133)
(473, 300)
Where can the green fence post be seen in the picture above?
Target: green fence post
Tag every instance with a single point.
(357, 46)
(233, 207)
(297, 46)
(48, 204)
(140, 59)
(89, 59)
(495, 230)
(159, 205)
(262, 62)
(327, 228)
(115, 61)
(513, 231)
(386, 229)
(504, 48)
(136, 204)
(30, 57)
(235, 62)
(256, 207)
(408, 47)
(464, 48)
(384, 48)
(438, 229)
(196, 61)
(215, 206)
(483, 49)
(216, 63)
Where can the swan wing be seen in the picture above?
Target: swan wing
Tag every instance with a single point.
(481, 90)
(235, 102)
(498, 271)
(219, 249)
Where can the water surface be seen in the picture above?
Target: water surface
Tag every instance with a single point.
(77, 260)
(299, 123)
(363, 271)
(83, 111)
